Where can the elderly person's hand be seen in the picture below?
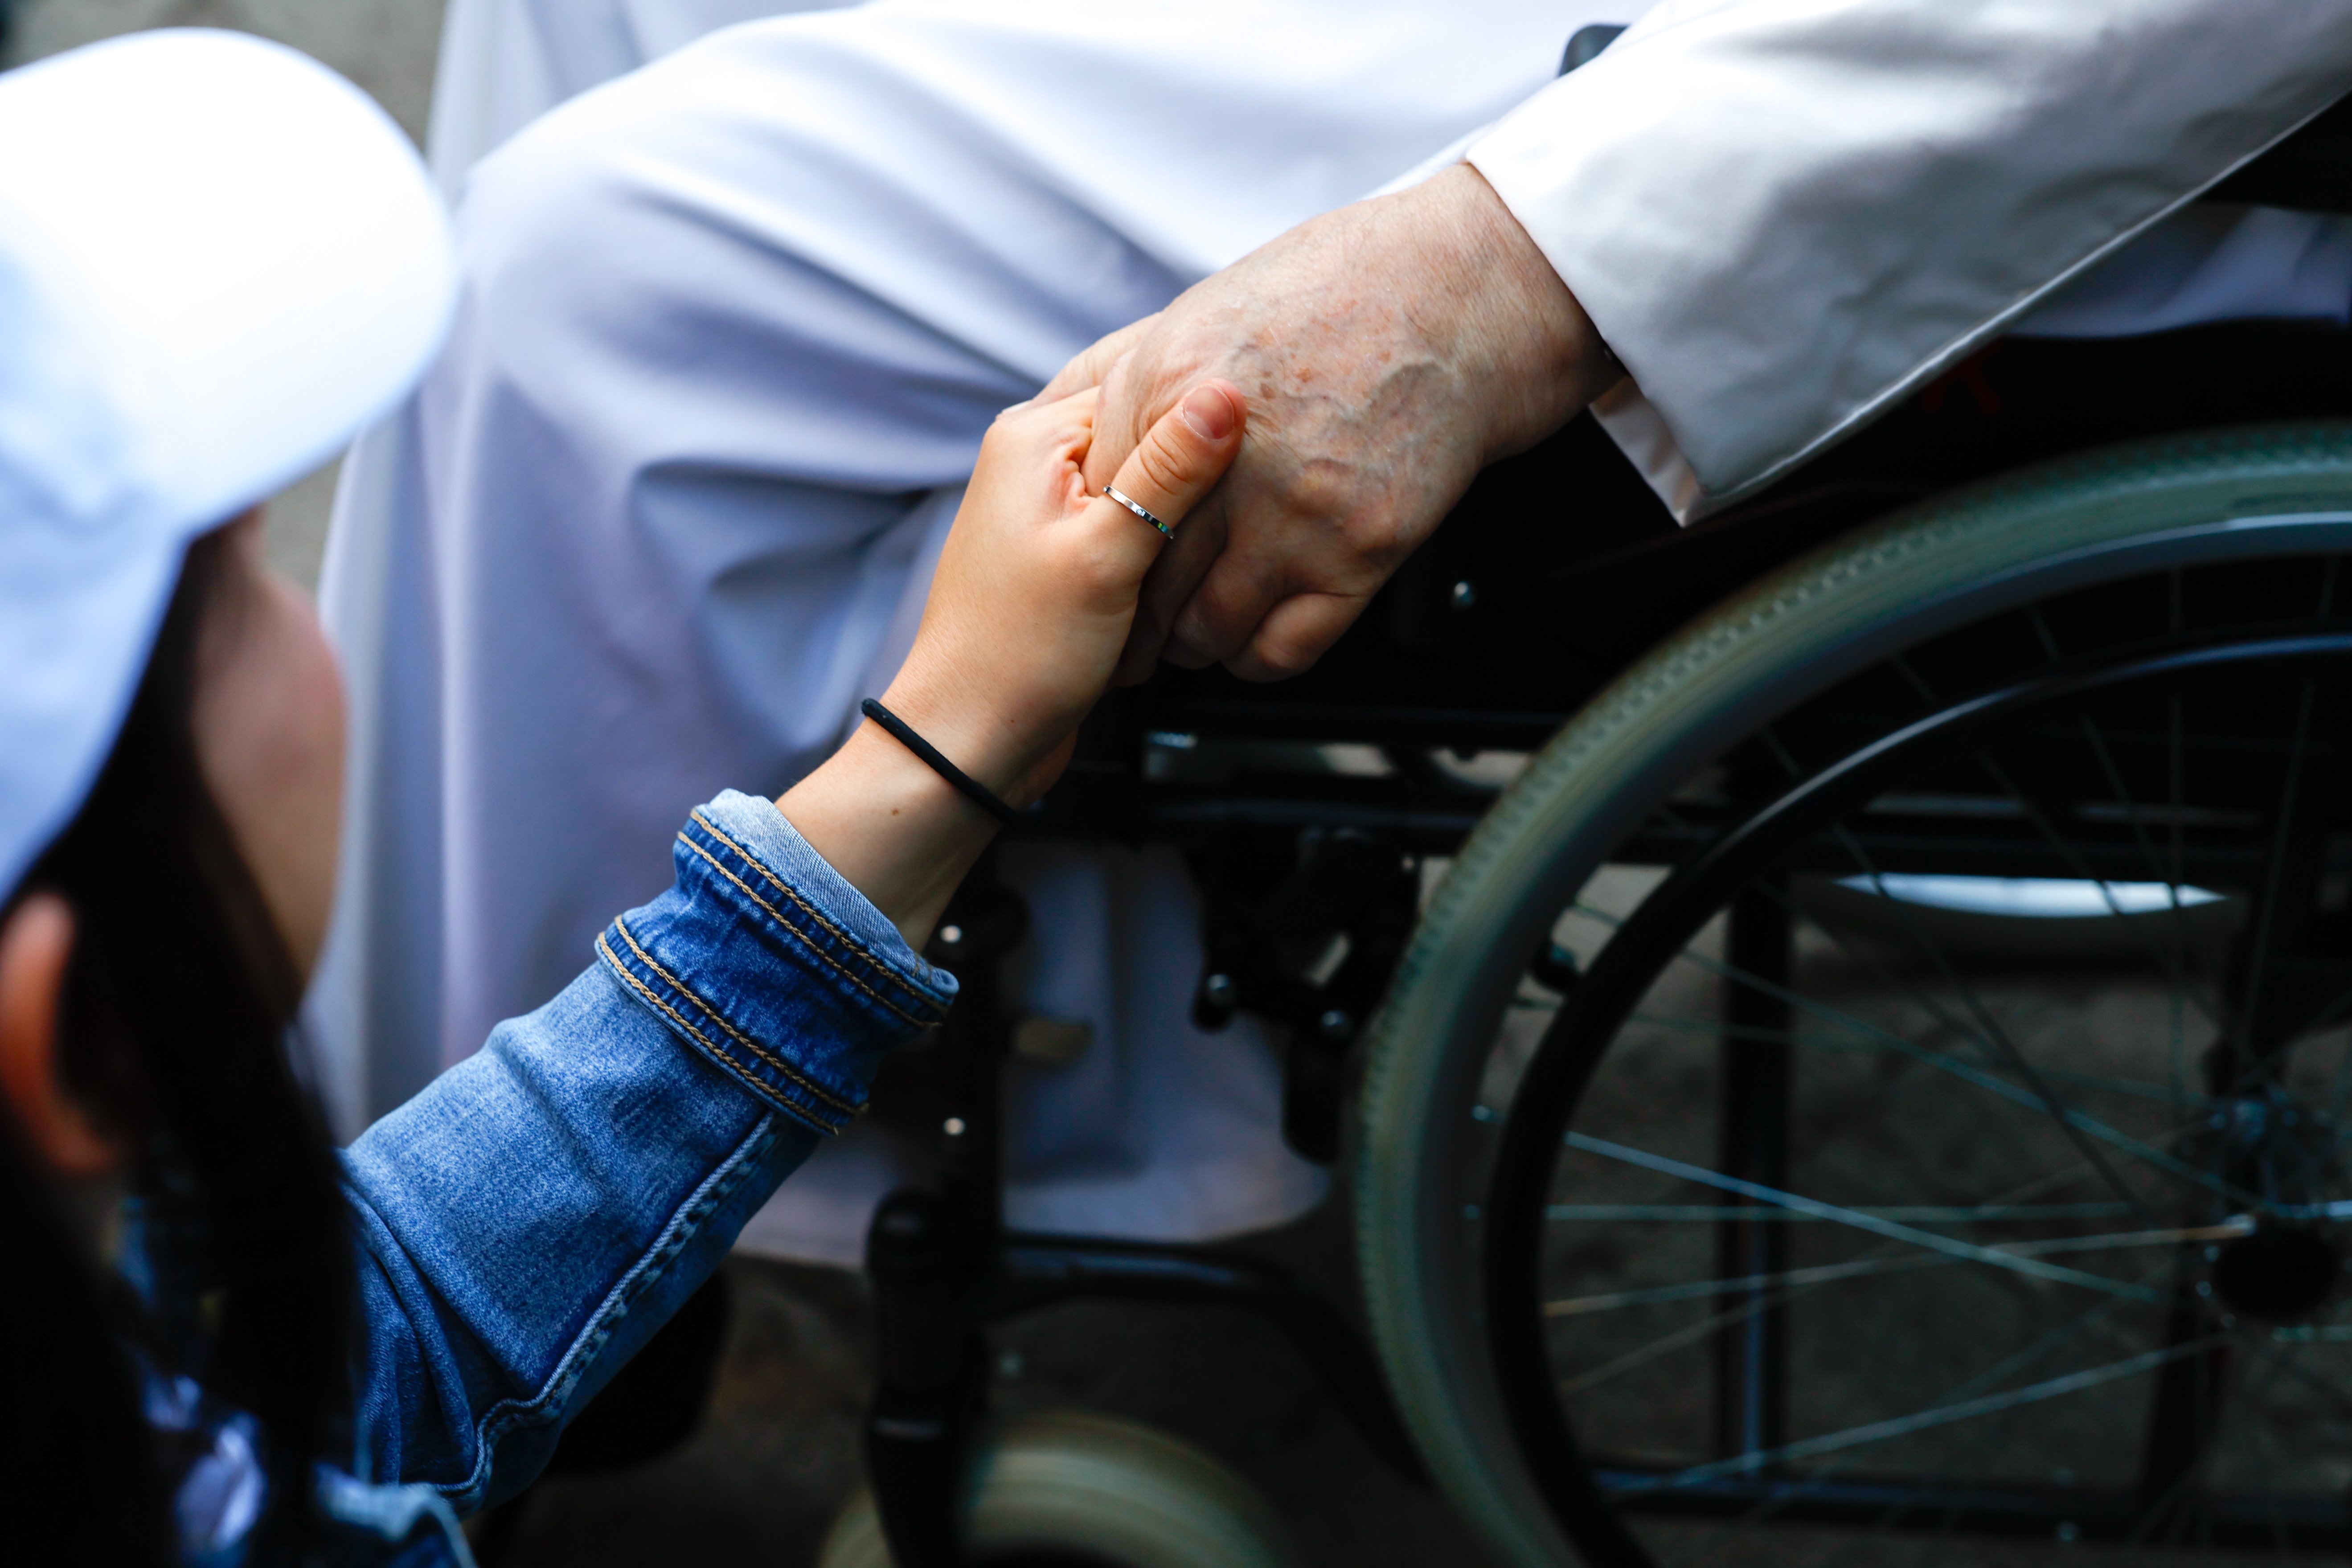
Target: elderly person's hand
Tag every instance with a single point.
(1389, 351)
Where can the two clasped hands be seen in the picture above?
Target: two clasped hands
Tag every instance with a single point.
(1299, 422)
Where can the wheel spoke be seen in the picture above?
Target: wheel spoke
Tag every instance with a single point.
(1912, 1213)
(1825, 1273)
(2178, 1057)
(1939, 1415)
(1892, 1229)
(1745, 1284)
(1944, 1062)
(2164, 1508)
(1860, 956)
(1989, 1031)
(2113, 775)
(1893, 1262)
(2135, 1089)
(2245, 1066)
(2289, 1360)
(2091, 1319)
(2176, 956)
(2073, 857)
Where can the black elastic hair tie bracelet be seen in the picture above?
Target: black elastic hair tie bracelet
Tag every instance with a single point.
(947, 770)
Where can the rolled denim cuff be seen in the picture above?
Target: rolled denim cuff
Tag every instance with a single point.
(761, 957)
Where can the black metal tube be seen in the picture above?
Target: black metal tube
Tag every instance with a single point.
(927, 1393)
(929, 1251)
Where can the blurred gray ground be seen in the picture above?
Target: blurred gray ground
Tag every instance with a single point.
(386, 46)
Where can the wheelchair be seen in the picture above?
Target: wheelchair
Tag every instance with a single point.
(1838, 1020)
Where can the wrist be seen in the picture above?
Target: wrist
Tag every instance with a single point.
(894, 829)
(968, 726)
(1528, 357)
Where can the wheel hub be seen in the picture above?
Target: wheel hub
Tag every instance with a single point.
(2277, 1273)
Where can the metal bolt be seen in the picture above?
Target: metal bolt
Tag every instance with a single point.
(1464, 595)
(1336, 1024)
(1219, 990)
(952, 1127)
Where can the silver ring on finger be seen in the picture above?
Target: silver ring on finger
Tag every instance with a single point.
(1138, 509)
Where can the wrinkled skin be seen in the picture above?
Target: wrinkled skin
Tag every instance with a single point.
(1389, 351)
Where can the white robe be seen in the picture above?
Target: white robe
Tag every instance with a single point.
(734, 325)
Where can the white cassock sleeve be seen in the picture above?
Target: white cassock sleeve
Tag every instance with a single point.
(1784, 215)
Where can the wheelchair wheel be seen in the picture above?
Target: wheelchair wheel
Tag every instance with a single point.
(1803, 1227)
(1072, 1490)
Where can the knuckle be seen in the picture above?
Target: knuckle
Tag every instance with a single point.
(1166, 471)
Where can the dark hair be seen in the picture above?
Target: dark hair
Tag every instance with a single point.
(178, 997)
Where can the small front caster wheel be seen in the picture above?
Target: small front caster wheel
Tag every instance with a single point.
(1070, 1488)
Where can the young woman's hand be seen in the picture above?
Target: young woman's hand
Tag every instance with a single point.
(1033, 601)
(1037, 588)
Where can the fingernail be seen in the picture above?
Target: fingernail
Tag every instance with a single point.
(1210, 411)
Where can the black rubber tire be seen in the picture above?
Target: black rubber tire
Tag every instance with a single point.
(2231, 495)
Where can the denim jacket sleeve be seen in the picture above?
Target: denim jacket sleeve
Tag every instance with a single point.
(528, 1220)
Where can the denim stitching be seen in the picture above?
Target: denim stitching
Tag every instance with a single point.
(795, 1075)
(685, 1223)
(792, 893)
(823, 957)
(928, 1003)
(809, 1114)
(737, 1036)
(814, 1118)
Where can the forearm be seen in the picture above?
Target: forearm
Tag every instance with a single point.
(1035, 593)
(529, 1220)
(542, 1208)
(1523, 352)
(896, 831)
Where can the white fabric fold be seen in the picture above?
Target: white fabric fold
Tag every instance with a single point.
(733, 327)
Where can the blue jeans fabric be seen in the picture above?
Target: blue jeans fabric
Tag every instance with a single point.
(528, 1221)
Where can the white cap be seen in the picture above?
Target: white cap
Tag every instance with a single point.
(219, 261)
